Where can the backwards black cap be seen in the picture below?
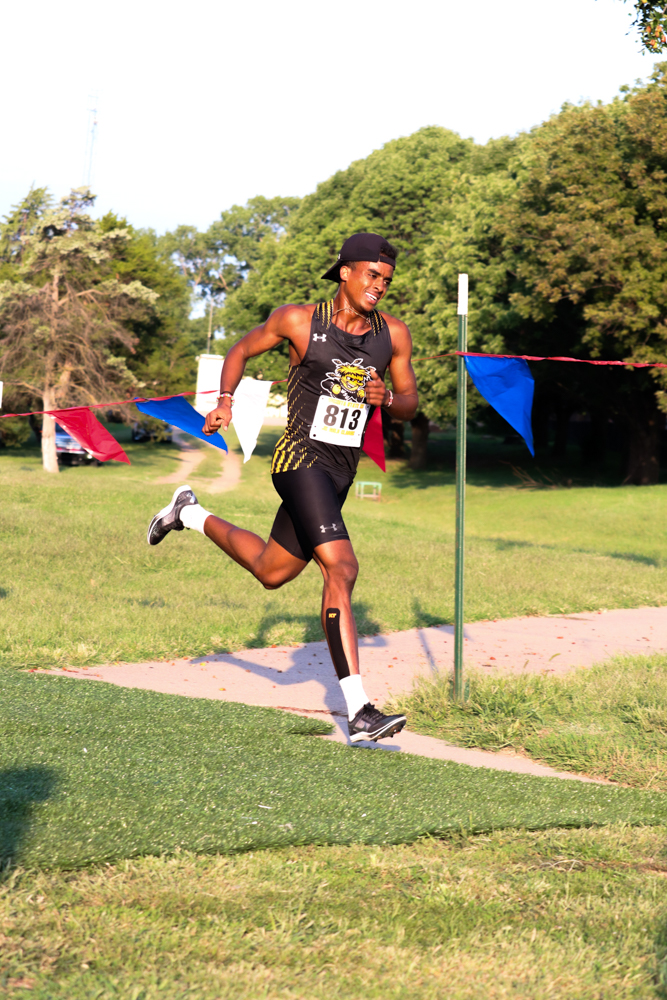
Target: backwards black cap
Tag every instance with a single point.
(363, 246)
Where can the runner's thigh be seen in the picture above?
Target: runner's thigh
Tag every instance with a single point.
(312, 500)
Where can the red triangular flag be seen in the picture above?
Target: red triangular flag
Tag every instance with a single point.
(373, 441)
(85, 428)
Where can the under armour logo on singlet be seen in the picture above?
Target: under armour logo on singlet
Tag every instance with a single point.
(332, 526)
(321, 337)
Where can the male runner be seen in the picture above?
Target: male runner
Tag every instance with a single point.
(339, 352)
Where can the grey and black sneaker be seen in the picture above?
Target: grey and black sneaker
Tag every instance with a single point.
(169, 518)
(371, 724)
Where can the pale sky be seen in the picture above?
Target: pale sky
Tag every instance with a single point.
(202, 105)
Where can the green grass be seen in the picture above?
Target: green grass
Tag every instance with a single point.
(78, 583)
(146, 865)
(512, 915)
(145, 862)
(609, 720)
(90, 772)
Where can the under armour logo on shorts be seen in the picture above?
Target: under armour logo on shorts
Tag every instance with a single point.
(324, 530)
(321, 337)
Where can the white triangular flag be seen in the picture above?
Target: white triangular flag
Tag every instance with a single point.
(250, 401)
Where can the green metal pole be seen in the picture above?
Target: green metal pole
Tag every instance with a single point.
(461, 408)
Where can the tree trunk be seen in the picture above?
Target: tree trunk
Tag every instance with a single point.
(419, 441)
(49, 456)
(36, 428)
(393, 432)
(563, 414)
(645, 430)
(594, 444)
(542, 407)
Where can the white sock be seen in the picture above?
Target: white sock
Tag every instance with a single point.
(193, 516)
(355, 696)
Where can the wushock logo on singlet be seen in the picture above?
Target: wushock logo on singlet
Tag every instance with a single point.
(338, 423)
(348, 380)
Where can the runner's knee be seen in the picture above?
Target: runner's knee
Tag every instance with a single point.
(344, 572)
(273, 579)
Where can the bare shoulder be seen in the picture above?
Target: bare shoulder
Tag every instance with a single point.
(399, 332)
(290, 320)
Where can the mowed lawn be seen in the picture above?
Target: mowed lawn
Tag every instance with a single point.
(164, 847)
(167, 847)
(510, 915)
(78, 583)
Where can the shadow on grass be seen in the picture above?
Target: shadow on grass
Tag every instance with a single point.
(20, 789)
(302, 662)
(366, 625)
(424, 619)
(505, 544)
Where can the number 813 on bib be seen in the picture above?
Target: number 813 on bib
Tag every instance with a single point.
(339, 422)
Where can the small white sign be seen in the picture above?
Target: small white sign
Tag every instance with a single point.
(338, 422)
(209, 371)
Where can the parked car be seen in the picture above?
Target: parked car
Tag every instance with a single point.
(151, 429)
(70, 452)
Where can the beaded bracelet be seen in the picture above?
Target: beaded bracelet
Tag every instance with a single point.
(222, 396)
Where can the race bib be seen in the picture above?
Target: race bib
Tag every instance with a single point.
(339, 422)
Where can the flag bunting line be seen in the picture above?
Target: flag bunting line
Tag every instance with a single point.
(434, 357)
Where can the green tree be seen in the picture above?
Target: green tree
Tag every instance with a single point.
(468, 241)
(584, 239)
(217, 261)
(403, 191)
(166, 340)
(19, 223)
(67, 312)
(651, 19)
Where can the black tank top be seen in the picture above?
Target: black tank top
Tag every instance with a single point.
(336, 364)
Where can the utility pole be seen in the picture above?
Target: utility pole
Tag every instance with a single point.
(91, 135)
(461, 417)
(210, 327)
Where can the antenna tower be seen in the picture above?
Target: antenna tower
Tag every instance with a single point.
(91, 134)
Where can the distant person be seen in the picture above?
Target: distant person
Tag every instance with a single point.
(339, 352)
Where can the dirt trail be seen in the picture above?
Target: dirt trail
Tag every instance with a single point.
(192, 456)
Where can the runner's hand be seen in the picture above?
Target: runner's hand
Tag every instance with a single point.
(217, 418)
(376, 391)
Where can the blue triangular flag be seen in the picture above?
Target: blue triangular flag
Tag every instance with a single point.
(176, 411)
(506, 383)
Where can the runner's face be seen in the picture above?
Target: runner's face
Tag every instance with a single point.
(366, 283)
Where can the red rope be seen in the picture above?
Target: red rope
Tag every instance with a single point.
(531, 357)
(434, 357)
(579, 361)
(117, 402)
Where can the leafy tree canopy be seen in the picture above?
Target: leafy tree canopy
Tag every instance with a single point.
(402, 191)
(651, 19)
(565, 247)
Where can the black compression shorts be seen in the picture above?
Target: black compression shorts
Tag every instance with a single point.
(310, 513)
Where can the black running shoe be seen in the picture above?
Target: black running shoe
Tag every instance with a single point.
(169, 518)
(370, 724)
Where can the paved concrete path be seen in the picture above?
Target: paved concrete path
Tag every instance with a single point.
(301, 678)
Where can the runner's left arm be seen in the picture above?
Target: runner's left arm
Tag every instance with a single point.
(404, 383)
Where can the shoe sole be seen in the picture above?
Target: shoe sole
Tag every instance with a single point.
(389, 730)
(163, 513)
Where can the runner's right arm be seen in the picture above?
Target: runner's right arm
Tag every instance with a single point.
(284, 323)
